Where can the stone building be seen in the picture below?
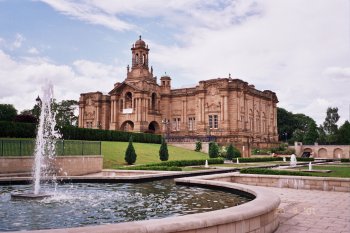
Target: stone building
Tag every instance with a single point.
(228, 109)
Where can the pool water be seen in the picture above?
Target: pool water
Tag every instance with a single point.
(82, 204)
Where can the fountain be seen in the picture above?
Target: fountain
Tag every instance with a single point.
(237, 161)
(284, 159)
(293, 160)
(206, 164)
(44, 153)
(310, 166)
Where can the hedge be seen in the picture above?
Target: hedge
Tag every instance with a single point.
(184, 163)
(345, 160)
(17, 129)
(273, 172)
(155, 168)
(28, 130)
(268, 159)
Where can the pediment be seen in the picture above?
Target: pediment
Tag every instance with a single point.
(119, 88)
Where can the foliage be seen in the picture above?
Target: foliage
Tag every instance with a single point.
(65, 113)
(163, 151)
(26, 118)
(273, 172)
(154, 168)
(296, 127)
(230, 152)
(343, 136)
(344, 160)
(198, 146)
(257, 151)
(330, 126)
(267, 159)
(184, 163)
(17, 129)
(130, 154)
(107, 135)
(213, 150)
(7, 112)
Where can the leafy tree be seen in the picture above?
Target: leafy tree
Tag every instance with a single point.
(296, 127)
(213, 150)
(285, 124)
(236, 153)
(130, 154)
(26, 118)
(7, 112)
(311, 134)
(343, 136)
(163, 151)
(330, 126)
(65, 113)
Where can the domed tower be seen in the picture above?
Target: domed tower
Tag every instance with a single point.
(140, 54)
(139, 68)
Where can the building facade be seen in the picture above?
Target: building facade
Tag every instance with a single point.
(229, 109)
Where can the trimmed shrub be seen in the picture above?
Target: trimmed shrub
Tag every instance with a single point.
(130, 154)
(183, 163)
(273, 172)
(213, 150)
(75, 133)
(198, 146)
(155, 168)
(17, 129)
(230, 153)
(163, 151)
(345, 160)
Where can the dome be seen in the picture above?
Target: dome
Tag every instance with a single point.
(140, 43)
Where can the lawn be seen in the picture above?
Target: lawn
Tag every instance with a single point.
(337, 171)
(114, 152)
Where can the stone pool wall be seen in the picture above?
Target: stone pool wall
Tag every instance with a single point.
(70, 165)
(295, 182)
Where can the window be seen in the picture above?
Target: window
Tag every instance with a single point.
(213, 121)
(89, 124)
(176, 124)
(191, 123)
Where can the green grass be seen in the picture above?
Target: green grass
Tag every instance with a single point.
(337, 171)
(114, 152)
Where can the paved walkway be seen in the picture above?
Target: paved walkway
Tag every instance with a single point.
(313, 211)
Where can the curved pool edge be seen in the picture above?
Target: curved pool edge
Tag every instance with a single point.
(258, 215)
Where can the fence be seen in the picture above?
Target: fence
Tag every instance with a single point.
(63, 147)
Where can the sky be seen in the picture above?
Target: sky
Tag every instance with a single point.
(296, 48)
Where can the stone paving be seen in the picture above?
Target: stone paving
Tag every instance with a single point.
(313, 211)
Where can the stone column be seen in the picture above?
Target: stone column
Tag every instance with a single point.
(225, 108)
(112, 111)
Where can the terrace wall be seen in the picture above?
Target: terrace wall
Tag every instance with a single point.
(65, 165)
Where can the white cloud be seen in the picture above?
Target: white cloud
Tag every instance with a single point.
(33, 51)
(338, 73)
(22, 79)
(18, 41)
(88, 13)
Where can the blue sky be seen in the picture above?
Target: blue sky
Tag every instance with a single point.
(296, 48)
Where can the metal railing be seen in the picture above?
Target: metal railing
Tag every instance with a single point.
(63, 147)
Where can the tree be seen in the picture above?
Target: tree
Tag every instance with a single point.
(213, 150)
(330, 126)
(311, 135)
(230, 152)
(7, 112)
(343, 136)
(163, 151)
(65, 113)
(130, 154)
(26, 118)
(285, 124)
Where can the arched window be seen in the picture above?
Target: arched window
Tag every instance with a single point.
(128, 100)
(154, 101)
(144, 59)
